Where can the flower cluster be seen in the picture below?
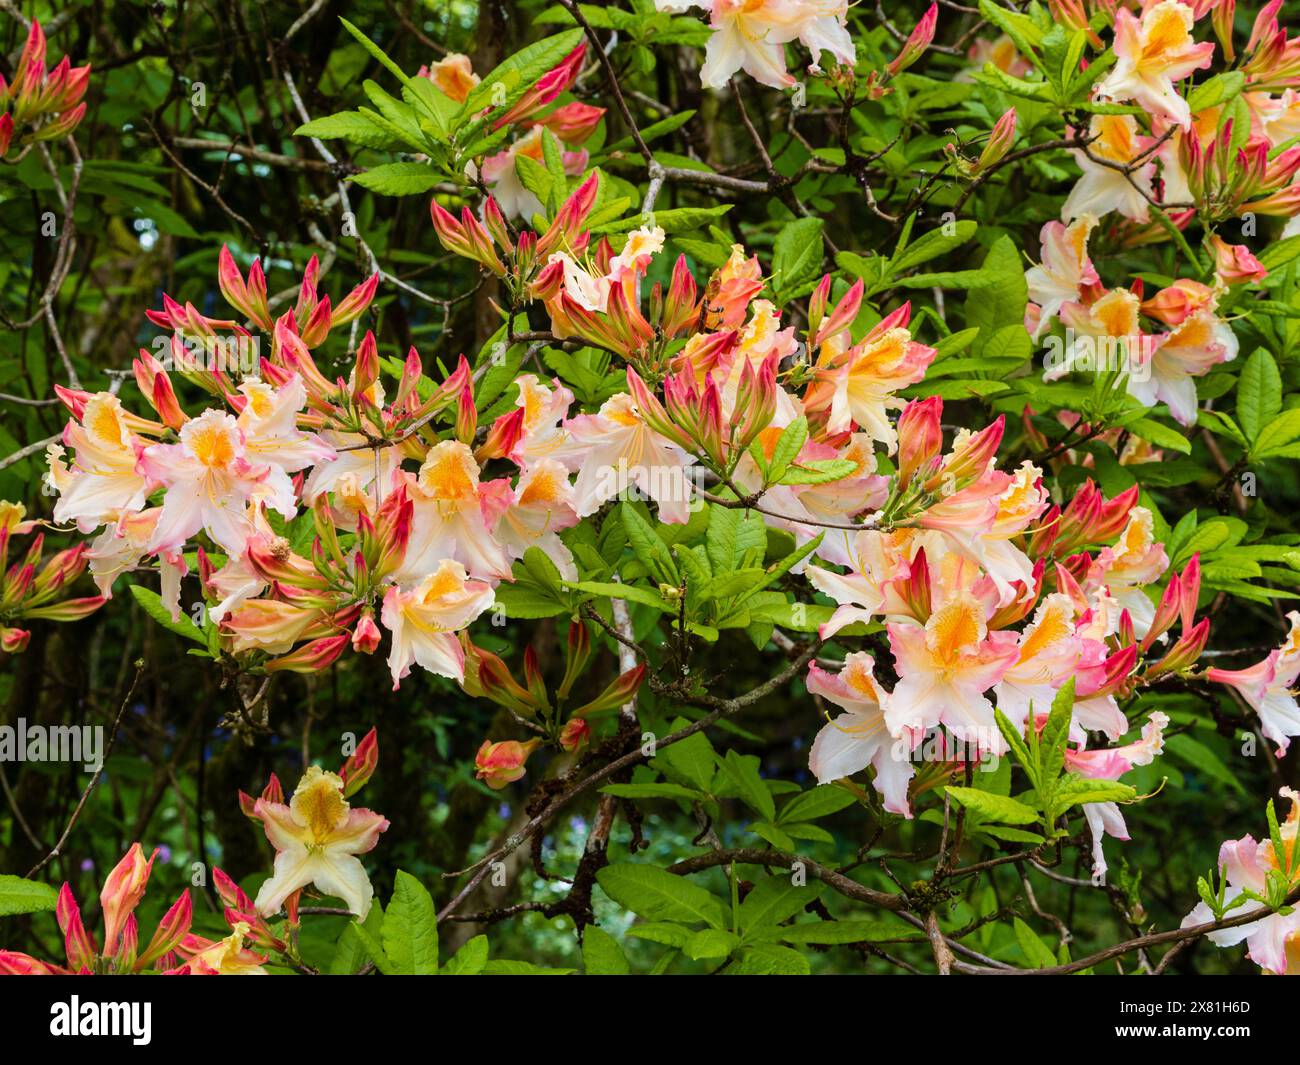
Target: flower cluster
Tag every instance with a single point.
(40, 103)
(316, 839)
(1109, 330)
(570, 124)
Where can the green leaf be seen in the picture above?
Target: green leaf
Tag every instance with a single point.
(1200, 757)
(1035, 950)
(821, 801)
(742, 772)
(1277, 433)
(732, 533)
(398, 179)
(658, 895)
(648, 546)
(1001, 302)
(601, 954)
(350, 126)
(676, 220)
(370, 941)
(154, 607)
(1054, 736)
(1075, 790)
(410, 932)
(1160, 435)
(1216, 90)
(710, 943)
(931, 245)
(18, 895)
(788, 446)
(377, 52)
(1259, 393)
(469, 960)
(774, 900)
(691, 758)
(796, 258)
(769, 959)
(856, 931)
(652, 791)
(992, 807)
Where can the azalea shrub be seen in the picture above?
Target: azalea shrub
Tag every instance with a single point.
(756, 487)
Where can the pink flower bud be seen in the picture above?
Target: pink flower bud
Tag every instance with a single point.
(170, 931)
(916, 44)
(122, 892)
(366, 636)
(575, 735)
(499, 764)
(14, 641)
(920, 438)
(1000, 140)
(80, 948)
(1235, 264)
(360, 766)
(575, 122)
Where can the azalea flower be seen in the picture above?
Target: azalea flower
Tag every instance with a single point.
(316, 839)
(1105, 818)
(1047, 654)
(1268, 687)
(1108, 336)
(225, 957)
(1246, 866)
(1169, 369)
(123, 891)
(1065, 270)
(120, 548)
(425, 619)
(448, 520)
(806, 510)
(499, 764)
(860, 737)
(1103, 189)
(878, 560)
(534, 512)
(453, 74)
(948, 662)
(1151, 54)
(622, 450)
(268, 421)
(502, 176)
(102, 482)
(209, 484)
(1136, 560)
(540, 431)
(863, 387)
(752, 34)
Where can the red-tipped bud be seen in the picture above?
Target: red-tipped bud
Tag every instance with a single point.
(354, 304)
(171, 930)
(575, 735)
(619, 693)
(498, 764)
(917, 42)
(311, 657)
(122, 893)
(920, 437)
(361, 765)
(79, 946)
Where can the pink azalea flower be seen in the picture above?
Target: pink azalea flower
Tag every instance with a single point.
(1151, 54)
(424, 621)
(860, 737)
